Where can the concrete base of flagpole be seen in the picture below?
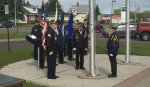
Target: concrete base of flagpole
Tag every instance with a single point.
(89, 76)
(127, 63)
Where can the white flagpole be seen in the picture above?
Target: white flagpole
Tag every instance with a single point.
(56, 12)
(92, 44)
(127, 31)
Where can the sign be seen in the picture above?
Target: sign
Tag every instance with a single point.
(6, 9)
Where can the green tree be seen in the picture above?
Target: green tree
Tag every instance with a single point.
(52, 5)
(145, 15)
(97, 11)
(11, 4)
(117, 12)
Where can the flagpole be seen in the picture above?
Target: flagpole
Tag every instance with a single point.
(56, 12)
(127, 31)
(92, 44)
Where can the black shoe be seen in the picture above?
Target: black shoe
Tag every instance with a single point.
(51, 77)
(82, 68)
(46, 67)
(65, 62)
(112, 76)
(56, 76)
(76, 68)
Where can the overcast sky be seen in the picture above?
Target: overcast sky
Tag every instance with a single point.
(104, 5)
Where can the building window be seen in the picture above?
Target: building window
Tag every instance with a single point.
(34, 9)
(31, 18)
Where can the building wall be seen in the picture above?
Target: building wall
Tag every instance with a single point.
(23, 21)
(80, 17)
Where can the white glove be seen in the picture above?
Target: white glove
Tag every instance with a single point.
(111, 55)
(85, 48)
(74, 49)
(50, 53)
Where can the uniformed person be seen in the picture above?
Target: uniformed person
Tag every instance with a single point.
(37, 31)
(86, 27)
(79, 42)
(112, 47)
(51, 43)
(34, 31)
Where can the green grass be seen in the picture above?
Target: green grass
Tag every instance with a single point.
(30, 84)
(13, 35)
(136, 49)
(24, 25)
(14, 56)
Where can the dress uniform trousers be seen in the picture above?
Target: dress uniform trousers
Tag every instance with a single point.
(42, 59)
(35, 52)
(113, 63)
(61, 55)
(79, 57)
(51, 62)
(69, 49)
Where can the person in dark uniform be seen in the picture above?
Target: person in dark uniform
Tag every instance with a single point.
(51, 43)
(34, 31)
(112, 47)
(79, 42)
(37, 31)
(86, 27)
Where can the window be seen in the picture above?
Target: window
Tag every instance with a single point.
(34, 9)
(31, 17)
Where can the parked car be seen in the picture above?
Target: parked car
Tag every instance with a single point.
(6, 24)
(143, 31)
(121, 30)
(98, 27)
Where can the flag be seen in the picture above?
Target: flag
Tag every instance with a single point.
(69, 30)
(61, 32)
(56, 12)
(43, 23)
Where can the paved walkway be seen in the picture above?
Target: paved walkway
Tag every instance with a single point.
(68, 75)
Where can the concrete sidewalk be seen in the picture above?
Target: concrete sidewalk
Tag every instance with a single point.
(68, 75)
(17, 39)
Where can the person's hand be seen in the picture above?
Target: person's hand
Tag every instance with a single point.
(74, 49)
(111, 55)
(50, 53)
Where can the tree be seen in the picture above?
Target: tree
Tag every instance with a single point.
(11, 9)
(52, 5)
(117, 12)
(97, 11)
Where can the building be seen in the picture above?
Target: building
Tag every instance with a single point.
(31, 14)
(80, 11)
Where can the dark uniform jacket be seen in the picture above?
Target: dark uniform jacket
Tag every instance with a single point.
(51, 41)
(79, 39)
(113, 44)
(37, 31)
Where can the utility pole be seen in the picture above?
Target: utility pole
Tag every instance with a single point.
(127, 31)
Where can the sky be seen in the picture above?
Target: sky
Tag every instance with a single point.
(104, 5)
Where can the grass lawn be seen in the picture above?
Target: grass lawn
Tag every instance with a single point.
(14, 56)
(24, 25)
(13, 35)
(136, 49)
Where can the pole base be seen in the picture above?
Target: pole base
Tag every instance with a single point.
(89, 76)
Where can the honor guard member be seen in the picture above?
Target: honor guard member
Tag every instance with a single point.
(79, 42)
(51, 43)
(112, 47)
(86, 27)
(37, 31)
